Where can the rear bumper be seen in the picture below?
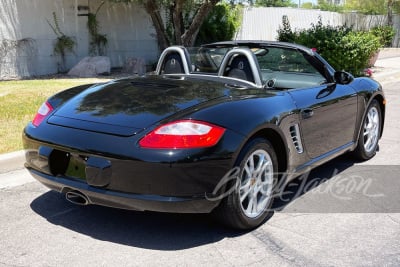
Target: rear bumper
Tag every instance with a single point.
(113, 171)
(130, 201)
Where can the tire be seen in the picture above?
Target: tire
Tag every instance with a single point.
(250, 203)
(369, 133)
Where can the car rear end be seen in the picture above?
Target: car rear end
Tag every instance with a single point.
(93, 151)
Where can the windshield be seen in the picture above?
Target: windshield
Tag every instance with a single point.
(280, 59)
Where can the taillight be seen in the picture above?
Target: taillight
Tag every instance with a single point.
(183, 134)
(44, 110)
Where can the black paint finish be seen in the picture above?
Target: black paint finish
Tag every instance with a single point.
(90, 141)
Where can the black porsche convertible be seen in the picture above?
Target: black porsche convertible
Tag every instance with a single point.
(213, 129)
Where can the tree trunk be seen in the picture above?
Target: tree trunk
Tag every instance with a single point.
(154, 11)
(189, 37)
(390, 12)
(177, 21)
(182, 37)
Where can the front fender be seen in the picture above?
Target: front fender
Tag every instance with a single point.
(368, 90)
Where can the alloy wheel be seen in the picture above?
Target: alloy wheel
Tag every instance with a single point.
(256, 183)
(371, 129)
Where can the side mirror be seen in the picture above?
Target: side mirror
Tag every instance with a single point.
(342, 77)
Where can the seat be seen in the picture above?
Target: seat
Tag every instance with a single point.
(172, 64)
(174, 60)
(240, 68)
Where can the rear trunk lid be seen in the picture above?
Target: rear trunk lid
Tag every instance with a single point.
(126, 107)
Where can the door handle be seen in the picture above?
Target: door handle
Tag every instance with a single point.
(307, 113)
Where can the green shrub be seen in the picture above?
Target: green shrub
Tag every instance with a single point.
(285, 33)
(342, 47)
(385, 34)
(358, 47)
(220, 25)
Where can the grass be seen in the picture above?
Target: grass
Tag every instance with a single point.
(19, 102)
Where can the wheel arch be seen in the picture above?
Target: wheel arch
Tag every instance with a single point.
(366, 102)
(382, 104)
(278, 143)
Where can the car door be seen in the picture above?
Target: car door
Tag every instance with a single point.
(327, 116)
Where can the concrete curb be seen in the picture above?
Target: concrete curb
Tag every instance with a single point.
(15, 178)
(11, 155)
(12, 171)
(12, 161)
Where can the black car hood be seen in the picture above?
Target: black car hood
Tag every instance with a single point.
(126, 107)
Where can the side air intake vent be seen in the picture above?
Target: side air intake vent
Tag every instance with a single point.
(296, 139)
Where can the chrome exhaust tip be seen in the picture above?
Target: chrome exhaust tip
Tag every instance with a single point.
(76, 197)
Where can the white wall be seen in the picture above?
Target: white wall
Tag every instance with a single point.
(26, 39)
(263, 23)
(129, 31)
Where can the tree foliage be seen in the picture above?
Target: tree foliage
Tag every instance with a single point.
(184, 19)
(307, 5)
(221, 24)
(328, 6)
(275, 3)
(368, 7)
(375, 7)
(371, 7)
